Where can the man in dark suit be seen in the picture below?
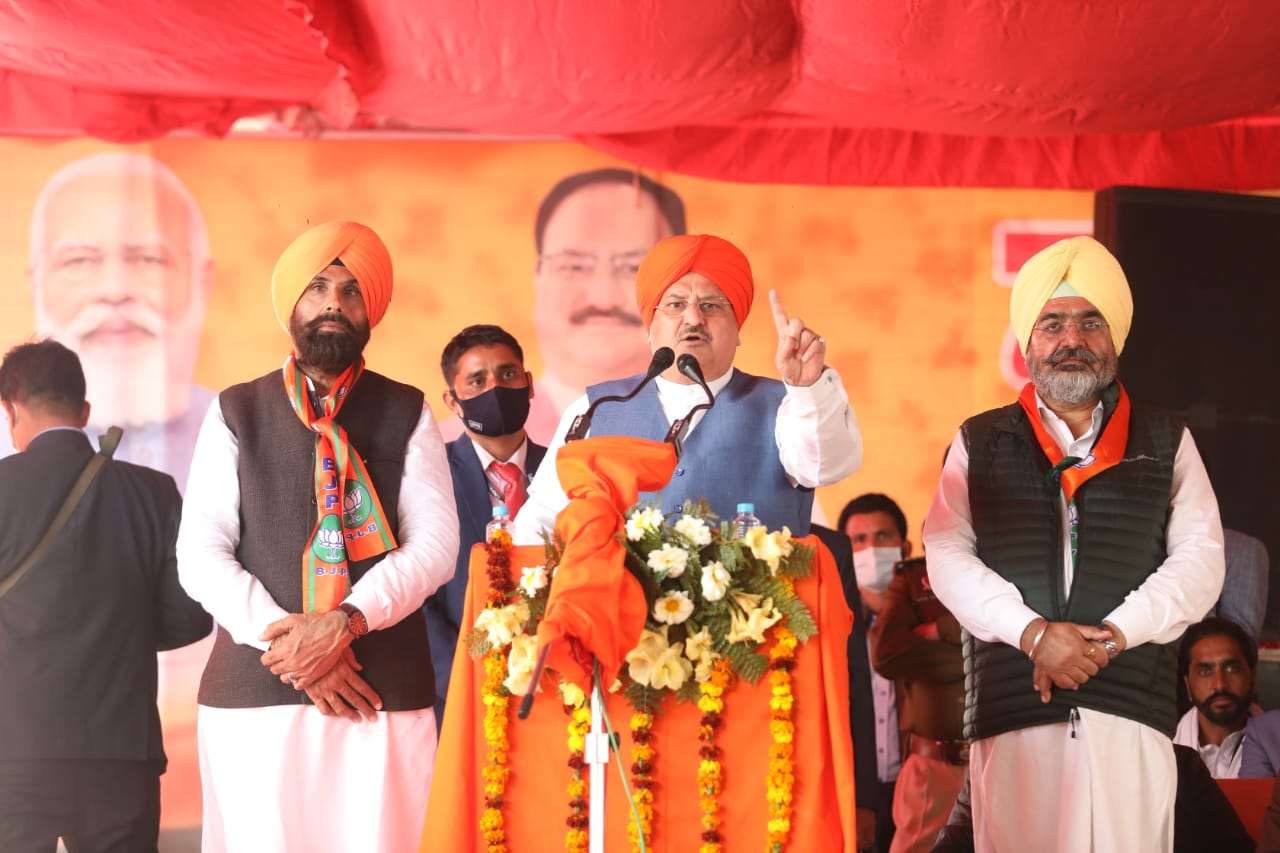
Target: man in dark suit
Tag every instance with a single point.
(80, 745)
(489, 391)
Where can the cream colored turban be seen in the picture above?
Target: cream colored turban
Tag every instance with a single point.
(1090, 269)
(359, 249)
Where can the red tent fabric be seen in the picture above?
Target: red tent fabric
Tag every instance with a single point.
(869, 92)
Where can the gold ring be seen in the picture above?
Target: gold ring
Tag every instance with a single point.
(1091, 652)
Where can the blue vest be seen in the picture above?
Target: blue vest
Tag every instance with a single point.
(730, 458)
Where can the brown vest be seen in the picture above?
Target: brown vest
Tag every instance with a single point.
(277, 513)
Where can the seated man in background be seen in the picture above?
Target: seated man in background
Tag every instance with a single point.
(1218, 665)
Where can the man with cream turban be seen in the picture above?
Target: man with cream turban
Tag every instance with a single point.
(768, 442)
(1075, 536)
(319, 515)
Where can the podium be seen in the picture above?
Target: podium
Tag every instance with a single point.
(536, 801)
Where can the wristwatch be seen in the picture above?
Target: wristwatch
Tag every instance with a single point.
(356, 623)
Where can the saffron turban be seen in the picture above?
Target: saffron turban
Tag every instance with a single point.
(1089, 269)
(714, 257)
(359, 249)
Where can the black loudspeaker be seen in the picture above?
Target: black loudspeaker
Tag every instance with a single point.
(1204, 269)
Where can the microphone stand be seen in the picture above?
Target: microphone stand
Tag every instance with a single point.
(662, 359)
(688, 365)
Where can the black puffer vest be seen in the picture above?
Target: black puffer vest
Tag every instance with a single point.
(1121, 541)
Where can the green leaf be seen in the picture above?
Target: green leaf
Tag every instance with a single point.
(643, 698)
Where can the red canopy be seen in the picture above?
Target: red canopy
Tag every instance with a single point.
(875, 92)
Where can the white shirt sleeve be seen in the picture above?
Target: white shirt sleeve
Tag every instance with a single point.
(987, 605)
(210, 533)
(1189, 581)
(397, 585)
(817, 433)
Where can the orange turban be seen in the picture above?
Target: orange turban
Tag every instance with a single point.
(714, 257)
(360, 251)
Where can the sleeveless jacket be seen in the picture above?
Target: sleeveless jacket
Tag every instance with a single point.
(1122, 513)
(731, 457)
(277, 513)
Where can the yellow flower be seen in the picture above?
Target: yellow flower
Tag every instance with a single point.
(572, 694)
(671, 669)
(532, 580)
(643, 521)
(641, 659)
(715, 581)
(699, 644)
(520, 664)
(501, 624)
(754, 623)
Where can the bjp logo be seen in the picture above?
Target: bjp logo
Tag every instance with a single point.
(328, 546)
(356, 505)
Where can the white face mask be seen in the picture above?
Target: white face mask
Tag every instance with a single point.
(874, 567)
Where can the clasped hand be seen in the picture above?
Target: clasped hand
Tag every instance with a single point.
(1067, 655)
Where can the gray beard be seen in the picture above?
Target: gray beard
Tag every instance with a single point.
(1072, 387)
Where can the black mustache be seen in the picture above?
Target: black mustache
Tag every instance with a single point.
(330, 318)
(1078, 353)
(584, 314)
(700, 331)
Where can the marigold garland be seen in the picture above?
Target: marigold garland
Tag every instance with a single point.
(642, 755)
(710, 779)
(781, 774)
(575, 839)
(496, 772)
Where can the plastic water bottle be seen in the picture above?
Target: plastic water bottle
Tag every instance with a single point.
(501, 521)
(744, 520)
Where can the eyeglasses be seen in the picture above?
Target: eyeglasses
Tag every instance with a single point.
(580, 266)
(709, 308)
(1056, 328)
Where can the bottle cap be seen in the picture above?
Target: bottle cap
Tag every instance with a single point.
(501, 511)
(746, 508)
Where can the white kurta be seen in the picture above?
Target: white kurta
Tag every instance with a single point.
(287, 778)
(817, 435)
(1042, 787)
(1222, 760)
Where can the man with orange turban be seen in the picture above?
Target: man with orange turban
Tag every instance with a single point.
(319, 515)
(1075, 536)
(766, 442)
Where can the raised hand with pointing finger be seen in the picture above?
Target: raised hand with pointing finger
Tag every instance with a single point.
(802, 352)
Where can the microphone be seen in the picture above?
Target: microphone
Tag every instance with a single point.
(688, 366)
(662, 359)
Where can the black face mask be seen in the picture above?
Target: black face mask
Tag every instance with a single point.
(498, 411)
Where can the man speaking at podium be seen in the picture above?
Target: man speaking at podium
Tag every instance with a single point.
(764, 441)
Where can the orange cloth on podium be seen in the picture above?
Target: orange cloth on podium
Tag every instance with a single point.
(536, 800)
(596, 607)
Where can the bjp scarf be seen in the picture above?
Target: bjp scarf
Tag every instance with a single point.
(716, 258)
(1073, 472)
(350, 524)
